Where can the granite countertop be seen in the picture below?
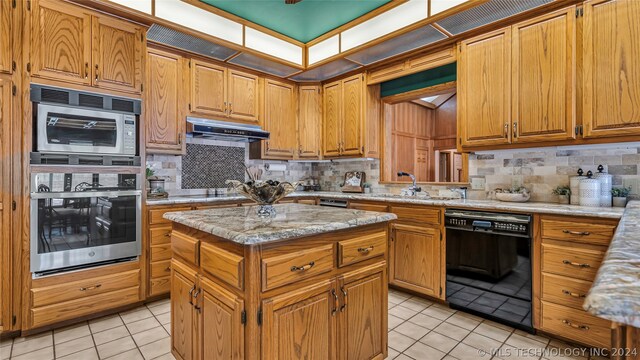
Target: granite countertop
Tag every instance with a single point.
(615, 294)
(243, 226)
(528, 207)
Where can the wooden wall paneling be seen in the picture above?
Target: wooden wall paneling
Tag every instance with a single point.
(165, 121)
(6, 42)
(309, 131)
(445, 119)
(404, 155)
(611, 79)
(243, 96)
(61, 42)
(544, 77)
(332, 122)
(353, 115)
(280, 119)
(484, 103)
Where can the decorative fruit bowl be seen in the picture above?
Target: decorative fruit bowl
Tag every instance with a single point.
(520, 194)
(264, 193)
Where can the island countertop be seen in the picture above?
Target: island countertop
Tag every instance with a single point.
(243, 226)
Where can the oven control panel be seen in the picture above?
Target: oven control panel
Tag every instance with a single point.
(488, 222)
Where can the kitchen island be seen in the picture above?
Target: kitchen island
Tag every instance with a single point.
(308, 283)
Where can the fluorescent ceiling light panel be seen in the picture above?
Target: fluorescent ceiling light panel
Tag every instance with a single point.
(438, 6)
(140, 5)
(198, 19)
(324, 49)
(385, 23)
(273, 46)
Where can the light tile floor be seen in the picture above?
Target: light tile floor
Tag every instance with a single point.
(418, 329)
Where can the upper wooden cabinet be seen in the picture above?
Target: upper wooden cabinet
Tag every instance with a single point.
(611, 88)
(351, 114)
(6, 25)
(544, 77)
(309, 121)
(484, 83)
(164, 104)
(74, 45)
(244, 96)
(280, 108)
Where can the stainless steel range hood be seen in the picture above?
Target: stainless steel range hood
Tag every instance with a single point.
(227, 131)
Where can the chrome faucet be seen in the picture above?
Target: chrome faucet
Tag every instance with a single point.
(413, 189)
(461, 190)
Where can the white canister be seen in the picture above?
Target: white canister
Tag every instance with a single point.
(590, 191)
(606, 182)
(574, 184)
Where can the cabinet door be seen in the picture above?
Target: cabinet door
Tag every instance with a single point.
(208, 87)
(544, 78)
(280, 119)
(165, 119)
(221, 330)
(331, 113)
(117, 54)
(611, 49)
(301, 324)
(414, 258)
(6, 22)
(5, 199)
(484, 83)
(183, 314)
(363, 313)
(243, 96)
(61, 42)
(352, 115)
(309, 122)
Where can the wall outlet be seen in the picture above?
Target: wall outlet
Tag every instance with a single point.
(477, 183)
(634, 184)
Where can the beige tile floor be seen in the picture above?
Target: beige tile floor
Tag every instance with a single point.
(418, 329)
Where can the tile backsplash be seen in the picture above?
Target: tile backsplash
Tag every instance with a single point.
(209, 166)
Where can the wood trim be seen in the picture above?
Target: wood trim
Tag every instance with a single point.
(424, 92)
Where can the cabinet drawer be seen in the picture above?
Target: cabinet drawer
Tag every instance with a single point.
(85, 306)
(160, 269)
(285, 269)
(576, 324)
(361, 248)
(577, 263)
(564, 290)
(160, 235)
(222, 264)
(185, 247)
(307, 201)
(160, 252)
(155, 215)
(368, 207)
(599, 234)
(84, 288)
(160, 286)
(218, 206)
(417, 215)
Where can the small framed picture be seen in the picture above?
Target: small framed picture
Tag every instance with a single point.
(354, 182)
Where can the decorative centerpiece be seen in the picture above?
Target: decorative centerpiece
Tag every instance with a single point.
(563, 192)
(515, 194)
(264, 193)
(620, 195)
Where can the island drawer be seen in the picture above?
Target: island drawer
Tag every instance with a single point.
(160, 235)
(155, 215)
(295, 266)
(576, 324)
(571, 261)
(417, 215)
(42, 296)
(222, 264)
(569, 230)
(368, 207)
(564, 290)
(361, 248)
(185, 247)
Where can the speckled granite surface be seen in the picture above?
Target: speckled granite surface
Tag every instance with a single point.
(529, 207)
(615, 294)
(243, 226)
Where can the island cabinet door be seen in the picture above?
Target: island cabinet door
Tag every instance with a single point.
(183, 312)
(301, 324)
(362, 324)
(415, 259)
(221, 328)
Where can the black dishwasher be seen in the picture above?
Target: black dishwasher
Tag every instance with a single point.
(489, 265)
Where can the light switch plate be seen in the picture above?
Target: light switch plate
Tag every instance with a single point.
(477, 183)
(634, 184)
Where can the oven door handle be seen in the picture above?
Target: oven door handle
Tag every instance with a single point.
(84, 194)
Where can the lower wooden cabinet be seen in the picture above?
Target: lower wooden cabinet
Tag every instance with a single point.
(183, 313)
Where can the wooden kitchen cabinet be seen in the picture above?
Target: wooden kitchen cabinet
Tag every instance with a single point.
(415, 257)
(243, 96)
(184, 317)
(309, 129)
(208, 89)
(280, 107)
(6, 105)
(351, 115)
(611, 78)
(6, 44)
(165, 124)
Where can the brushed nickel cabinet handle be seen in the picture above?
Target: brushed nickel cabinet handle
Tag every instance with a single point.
(335, 302)
(365, 250)
(580, 327)
(515, 129)
(86, 70)
(506, 130)
(575, 295)
(303, 267)
(582, 233)
(344, 299)
(97, 286)
(567, 262)
(97, 72)
(191, 295)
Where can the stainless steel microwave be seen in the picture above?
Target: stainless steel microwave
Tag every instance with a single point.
(69, 129)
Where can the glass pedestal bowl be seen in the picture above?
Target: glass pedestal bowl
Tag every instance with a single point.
(264, 193)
